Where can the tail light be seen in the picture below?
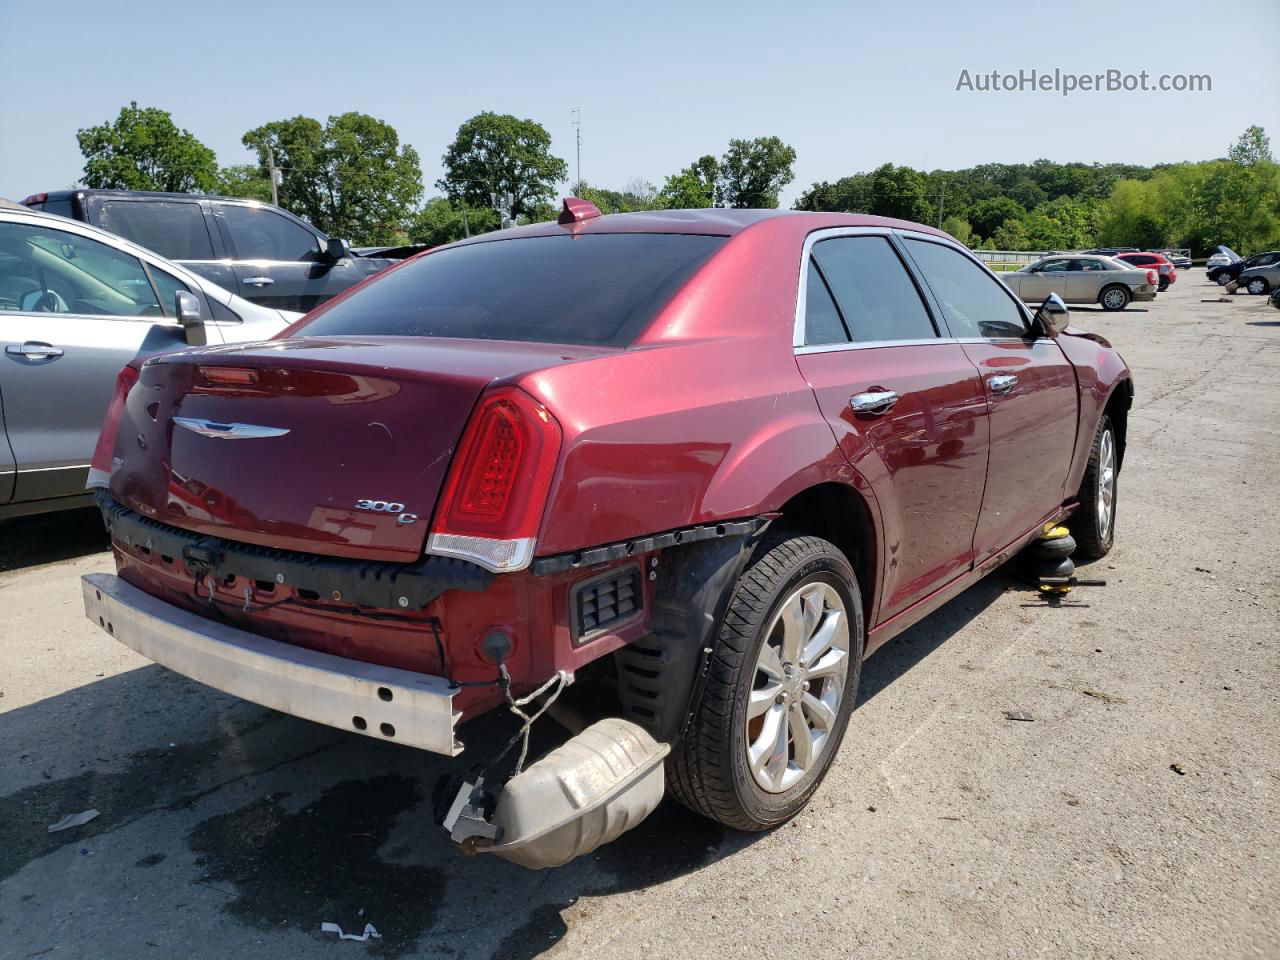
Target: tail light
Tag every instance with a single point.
(100, 467)
(1151, 277)
(492, 501)
(34, 199)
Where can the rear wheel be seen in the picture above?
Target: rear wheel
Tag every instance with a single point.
(1115, 298)
(1093, 525)
(780, 687)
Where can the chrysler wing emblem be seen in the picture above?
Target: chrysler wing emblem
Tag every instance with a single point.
(229, 431)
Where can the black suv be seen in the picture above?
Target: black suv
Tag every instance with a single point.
(263, 253)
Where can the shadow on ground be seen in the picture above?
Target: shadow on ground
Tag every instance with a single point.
(279, 825)
(51, 537)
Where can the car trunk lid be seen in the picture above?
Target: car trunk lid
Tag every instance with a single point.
(321, 445)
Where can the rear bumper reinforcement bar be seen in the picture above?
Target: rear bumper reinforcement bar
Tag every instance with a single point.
(365, 583)
(381, 702)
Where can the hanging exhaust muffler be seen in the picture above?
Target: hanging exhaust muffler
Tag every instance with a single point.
(585, 793)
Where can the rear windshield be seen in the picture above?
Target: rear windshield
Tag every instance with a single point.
(596, 289)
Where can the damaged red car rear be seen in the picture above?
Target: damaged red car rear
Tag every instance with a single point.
(717, 456)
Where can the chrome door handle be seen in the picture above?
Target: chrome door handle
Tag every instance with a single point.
(259, 281)
(873, 401)
(1003, 383)
(34, 350)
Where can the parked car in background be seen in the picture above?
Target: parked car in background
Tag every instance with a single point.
(1257, 280)
(1166, 272)
(1275, 297)
(261, 252)
(77, 304)
(1083, 279)
(1111, 251)
(1222, 258)
(1224, 274)
(812, 468)
(1179, 260)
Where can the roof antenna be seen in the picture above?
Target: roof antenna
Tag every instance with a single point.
(576, 210)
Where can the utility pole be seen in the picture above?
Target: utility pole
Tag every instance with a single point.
(271, 172)
(577, 126)
(942, 199)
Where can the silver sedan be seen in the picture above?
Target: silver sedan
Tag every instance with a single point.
(76, 305)
(1082, 279)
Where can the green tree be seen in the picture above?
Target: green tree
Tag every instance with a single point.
(846, 195)
(693, 187)
(637, 194)
(499, 154)
(898, 192)
(988, 216)
(441, 221)
(243, 180)
(142, 149)
(1252, 146)
(350, 176)
(753, 172)
(959, 228)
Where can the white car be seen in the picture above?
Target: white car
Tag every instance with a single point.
(76, 305)
(1224, 256)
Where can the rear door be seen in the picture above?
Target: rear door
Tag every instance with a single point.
(1084, 279)
(73, 311)
(1030, 389)
(179, 229)
(905, 404)
(278, 261)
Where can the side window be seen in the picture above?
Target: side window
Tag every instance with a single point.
(168, 285)
(262, 234)
(822, 323)
(172, 228)
(974, 303)
(873, 290)
(1056, 266)
(1090, 265)
(50, 271)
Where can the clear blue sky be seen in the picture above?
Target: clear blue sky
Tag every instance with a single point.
(849, 85)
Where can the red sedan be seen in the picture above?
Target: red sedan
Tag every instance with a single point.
(707, 461)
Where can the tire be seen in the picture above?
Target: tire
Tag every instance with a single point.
(1223, 279)
(1257, 286)
(1114, 297)
(1093, 525)
(710, 769)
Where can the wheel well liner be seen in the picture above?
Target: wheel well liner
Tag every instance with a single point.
(838, 513)
(1117, 409)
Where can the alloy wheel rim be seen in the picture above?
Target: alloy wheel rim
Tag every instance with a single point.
(1106, 483)
(1255, 287)
(798, 686)
(1115, 298)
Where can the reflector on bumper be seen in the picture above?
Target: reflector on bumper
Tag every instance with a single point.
(382, 702)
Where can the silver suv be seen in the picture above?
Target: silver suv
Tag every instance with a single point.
(77, 304)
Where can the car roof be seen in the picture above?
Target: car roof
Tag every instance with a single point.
(710, 221)
(158, 194)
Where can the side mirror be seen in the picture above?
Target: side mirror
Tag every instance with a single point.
(1053, 315)
(187, 307)
(335, 249)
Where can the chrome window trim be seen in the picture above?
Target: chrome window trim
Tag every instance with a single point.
(806, 251)
(797, 331)
(114, 317)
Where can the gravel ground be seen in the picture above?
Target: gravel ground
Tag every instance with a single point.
(1137, 816)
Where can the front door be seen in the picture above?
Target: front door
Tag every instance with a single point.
(1030, 388)
(73, 311)
(278, 262)
(906, 406)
